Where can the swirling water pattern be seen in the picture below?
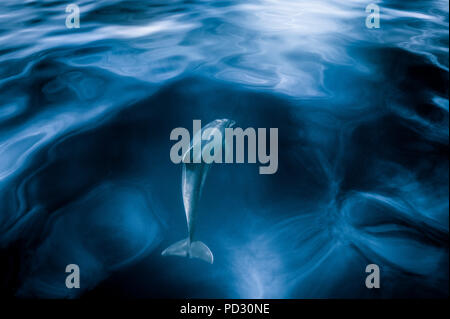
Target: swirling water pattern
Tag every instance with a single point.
(85, 174)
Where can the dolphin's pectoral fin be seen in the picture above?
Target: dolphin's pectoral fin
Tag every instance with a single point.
(197, 249)
(180, 248)
(201, 251)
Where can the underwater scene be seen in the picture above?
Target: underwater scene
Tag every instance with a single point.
(340, 188)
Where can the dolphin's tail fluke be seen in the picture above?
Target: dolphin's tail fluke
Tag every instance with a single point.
(185, 248)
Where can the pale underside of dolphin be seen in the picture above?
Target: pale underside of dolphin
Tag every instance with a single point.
(192, 181)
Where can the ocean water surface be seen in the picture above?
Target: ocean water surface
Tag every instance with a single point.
(363, 173)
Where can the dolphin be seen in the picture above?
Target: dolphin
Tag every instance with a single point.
(192, 181)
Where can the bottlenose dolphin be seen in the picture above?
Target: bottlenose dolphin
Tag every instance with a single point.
(192, 180)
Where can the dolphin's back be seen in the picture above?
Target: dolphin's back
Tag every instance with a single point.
(193, 179)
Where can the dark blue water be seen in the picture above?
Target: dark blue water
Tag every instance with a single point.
(363, 118)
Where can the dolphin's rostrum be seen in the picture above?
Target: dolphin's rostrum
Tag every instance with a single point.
(192, 180)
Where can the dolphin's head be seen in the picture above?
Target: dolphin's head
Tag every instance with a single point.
(227, 122)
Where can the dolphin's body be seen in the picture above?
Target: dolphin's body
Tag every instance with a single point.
(192, 180)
